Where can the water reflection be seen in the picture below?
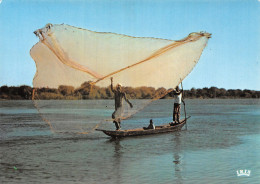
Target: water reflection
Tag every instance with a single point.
(117, 161)
(177, 158)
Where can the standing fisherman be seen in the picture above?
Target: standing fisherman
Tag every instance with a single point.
(119, 95)
(177, 105)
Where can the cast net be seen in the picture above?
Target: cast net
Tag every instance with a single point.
(77, 64)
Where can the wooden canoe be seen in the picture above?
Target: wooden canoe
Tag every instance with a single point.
(141, 131)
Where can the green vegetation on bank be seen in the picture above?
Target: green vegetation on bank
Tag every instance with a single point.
(86, 91)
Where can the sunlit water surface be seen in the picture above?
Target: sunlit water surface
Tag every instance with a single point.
(222, 136)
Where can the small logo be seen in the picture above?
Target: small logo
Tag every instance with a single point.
(243, 172)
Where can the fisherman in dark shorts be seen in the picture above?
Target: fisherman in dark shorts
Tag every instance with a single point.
(119, 95)
(177, 105)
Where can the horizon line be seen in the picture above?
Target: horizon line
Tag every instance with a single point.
(141, 86)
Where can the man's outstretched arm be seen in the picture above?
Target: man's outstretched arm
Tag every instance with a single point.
(131, 105)
(112, 88)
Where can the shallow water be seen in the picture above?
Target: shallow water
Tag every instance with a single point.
(222, 136)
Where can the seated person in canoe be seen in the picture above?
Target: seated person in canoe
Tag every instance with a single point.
(151, 125)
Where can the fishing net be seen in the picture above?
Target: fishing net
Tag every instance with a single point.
(77, 64)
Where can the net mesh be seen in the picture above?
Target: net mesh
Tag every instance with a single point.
(75, 63)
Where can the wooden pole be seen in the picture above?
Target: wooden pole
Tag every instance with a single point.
(184, 106)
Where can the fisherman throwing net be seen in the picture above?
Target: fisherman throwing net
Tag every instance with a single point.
(119, 95)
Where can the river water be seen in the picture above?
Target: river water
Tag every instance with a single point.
(222, 136)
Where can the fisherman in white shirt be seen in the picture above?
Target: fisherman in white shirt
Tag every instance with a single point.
(177, 105)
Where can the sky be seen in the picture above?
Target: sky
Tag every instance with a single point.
(231, 59)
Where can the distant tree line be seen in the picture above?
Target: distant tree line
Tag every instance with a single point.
(214, 92)
(88, 91)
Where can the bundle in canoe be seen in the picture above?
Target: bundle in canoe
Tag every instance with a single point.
(141, 131)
